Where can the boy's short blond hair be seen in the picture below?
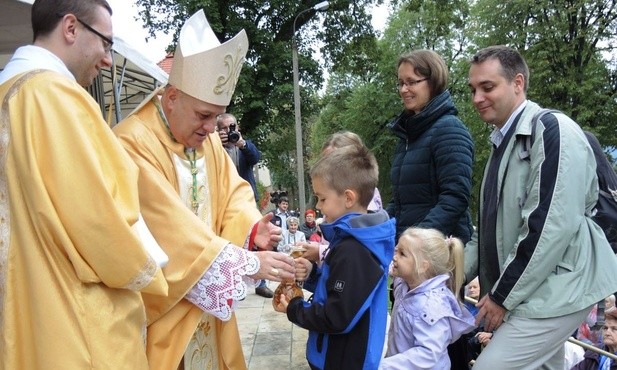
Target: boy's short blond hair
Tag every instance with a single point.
(351, 167)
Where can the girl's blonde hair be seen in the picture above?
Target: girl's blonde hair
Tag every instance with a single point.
(444, 255)
(341, 139)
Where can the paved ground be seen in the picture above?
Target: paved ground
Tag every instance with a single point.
(269, 340)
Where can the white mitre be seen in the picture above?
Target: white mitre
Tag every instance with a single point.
(202, 66)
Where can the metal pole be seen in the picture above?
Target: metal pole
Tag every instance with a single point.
(298, 119)
(299, 156)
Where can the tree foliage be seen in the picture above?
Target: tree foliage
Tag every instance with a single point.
(567, 45)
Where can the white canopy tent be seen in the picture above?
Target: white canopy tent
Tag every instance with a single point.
(131, 79)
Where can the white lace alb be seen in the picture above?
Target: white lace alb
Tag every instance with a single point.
(224, 284)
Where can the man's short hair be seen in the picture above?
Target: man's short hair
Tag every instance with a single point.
(46, 14)
(512, 62)
(350, 167)
(429, 64)
(222, 116)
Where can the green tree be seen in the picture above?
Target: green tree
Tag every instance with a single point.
(567, 45)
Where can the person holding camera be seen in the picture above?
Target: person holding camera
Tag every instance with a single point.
(243, 153)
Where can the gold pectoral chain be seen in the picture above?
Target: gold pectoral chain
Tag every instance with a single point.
(191, 156)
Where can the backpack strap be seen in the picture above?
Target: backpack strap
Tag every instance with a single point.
(534, 122)
(609, 194)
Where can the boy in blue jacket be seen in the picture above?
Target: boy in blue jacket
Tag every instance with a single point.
(346, 316)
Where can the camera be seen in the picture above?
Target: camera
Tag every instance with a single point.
(233, 136)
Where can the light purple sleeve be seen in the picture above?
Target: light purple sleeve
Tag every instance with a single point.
(375, 204)
(430, 350)
(323, 251)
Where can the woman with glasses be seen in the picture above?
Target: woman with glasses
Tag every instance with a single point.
(431, 168)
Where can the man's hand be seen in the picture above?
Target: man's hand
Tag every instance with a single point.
(223, 136)
(268, 235)
(240, 143)
(274, 266)
(491, 312)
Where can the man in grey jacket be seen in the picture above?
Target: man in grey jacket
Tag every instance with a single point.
(541, 260)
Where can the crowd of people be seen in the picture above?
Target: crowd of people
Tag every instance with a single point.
(545, 262)
(147, 273)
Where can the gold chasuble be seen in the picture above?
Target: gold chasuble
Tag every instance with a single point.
(225, 213)
(71, 265)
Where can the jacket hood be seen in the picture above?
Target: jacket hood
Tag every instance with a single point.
(375, 231)
(411, 126)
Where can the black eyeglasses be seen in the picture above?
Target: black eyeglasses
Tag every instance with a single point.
(107, 42)
(409, 83)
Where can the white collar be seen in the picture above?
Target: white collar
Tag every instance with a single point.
(498, 135)
(31, 57)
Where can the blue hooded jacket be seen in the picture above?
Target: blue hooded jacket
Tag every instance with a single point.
(346, 316)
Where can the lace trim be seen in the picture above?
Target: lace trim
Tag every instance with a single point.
(224, 284)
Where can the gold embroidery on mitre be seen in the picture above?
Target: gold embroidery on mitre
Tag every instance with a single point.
(234, 65)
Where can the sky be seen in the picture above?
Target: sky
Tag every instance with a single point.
(131, 30)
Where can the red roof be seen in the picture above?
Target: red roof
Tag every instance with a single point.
(166, 63)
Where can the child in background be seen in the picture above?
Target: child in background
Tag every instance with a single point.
(346, 316)
(427, 315)
(609, 302)
(316, 237)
